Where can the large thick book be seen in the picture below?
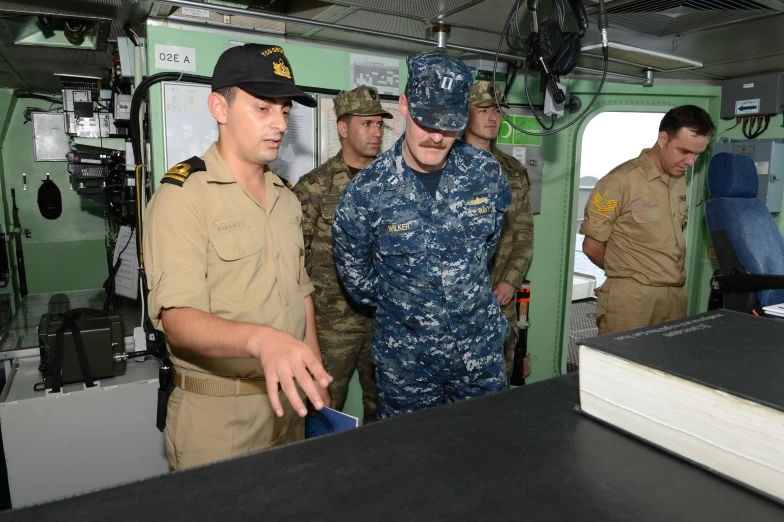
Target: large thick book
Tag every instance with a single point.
(708, 388)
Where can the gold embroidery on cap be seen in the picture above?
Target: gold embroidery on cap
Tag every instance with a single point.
(281, 69)
(271, 50)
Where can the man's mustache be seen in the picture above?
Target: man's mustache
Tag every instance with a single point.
(430, 144)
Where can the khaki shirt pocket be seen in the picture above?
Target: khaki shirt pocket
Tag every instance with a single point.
(239, 269)
(647, 225)
(646, 216)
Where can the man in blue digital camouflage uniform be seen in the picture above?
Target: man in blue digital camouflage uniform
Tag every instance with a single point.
(412, 235)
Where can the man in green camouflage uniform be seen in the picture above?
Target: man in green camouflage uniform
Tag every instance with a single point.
(345, 328)
(513, 254)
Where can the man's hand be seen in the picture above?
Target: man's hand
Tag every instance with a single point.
(324, 392)
(285, 359)
(504, 293)
(325, 397)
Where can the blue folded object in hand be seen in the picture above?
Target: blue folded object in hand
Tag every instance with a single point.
(327, 421)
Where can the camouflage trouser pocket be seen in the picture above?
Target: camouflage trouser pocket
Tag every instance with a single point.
(342, 353)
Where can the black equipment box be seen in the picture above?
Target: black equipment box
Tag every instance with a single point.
(101, 335)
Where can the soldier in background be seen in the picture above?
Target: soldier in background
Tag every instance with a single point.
(634, 223)
(515, 248)
(345, 328)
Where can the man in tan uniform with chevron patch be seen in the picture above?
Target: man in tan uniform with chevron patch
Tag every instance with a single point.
(516, 246)
(227, 281)
(634, 222)
(345, 328)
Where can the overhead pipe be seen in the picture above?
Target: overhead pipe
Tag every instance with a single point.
(649, 78)
(441, 32)
(610, 73)
(328, 25)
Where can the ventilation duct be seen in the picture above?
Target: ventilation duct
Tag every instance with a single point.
(670, 17)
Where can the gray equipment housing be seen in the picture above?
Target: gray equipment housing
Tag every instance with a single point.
(102, 337)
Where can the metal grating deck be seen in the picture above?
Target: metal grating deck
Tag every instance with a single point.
(583, 325)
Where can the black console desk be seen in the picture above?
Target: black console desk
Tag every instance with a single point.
(520, 455)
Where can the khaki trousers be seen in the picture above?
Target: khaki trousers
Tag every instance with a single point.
(201, 428)
(625, 304)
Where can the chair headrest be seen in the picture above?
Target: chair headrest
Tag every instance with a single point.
(732, 176)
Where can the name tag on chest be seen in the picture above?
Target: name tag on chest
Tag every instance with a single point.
(645, 205)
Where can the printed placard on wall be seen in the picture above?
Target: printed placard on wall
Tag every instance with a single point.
(190, 130)
(508, 135)
(375, 71)
(175, 58)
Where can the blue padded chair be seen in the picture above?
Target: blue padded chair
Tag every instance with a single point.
(749, 246)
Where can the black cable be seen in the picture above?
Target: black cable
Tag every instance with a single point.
(737, 122)
(761, 129)
(530, 104)
(510, 81)
(136, 144)
(603, 25)
(752, 123)
(144, 353)
(39, 97)
(111, 296)
(141, 93)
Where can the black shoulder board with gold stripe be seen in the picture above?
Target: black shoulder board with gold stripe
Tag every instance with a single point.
(180, 172)
(289, 185)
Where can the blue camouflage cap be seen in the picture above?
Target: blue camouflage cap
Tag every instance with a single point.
(438, 90)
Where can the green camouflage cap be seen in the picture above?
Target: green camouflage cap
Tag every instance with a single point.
(362, 101)
(483, 95)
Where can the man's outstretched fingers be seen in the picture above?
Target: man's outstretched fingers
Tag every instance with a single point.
(290, 389)
(309, 387)
(317, 370)
(272, 392)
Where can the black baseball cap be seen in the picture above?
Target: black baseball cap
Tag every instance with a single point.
(50, 203)
(260, 70)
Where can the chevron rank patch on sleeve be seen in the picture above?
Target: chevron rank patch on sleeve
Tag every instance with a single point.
(601, 206)
(180, 172)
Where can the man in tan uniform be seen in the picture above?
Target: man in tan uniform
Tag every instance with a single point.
(633, 226)
(515, 248)
(345, 328)
(223, 247)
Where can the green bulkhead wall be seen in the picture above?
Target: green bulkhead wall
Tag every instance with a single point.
(67, 253)
(550, 272)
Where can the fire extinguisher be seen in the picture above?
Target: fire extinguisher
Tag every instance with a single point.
(521, 366)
